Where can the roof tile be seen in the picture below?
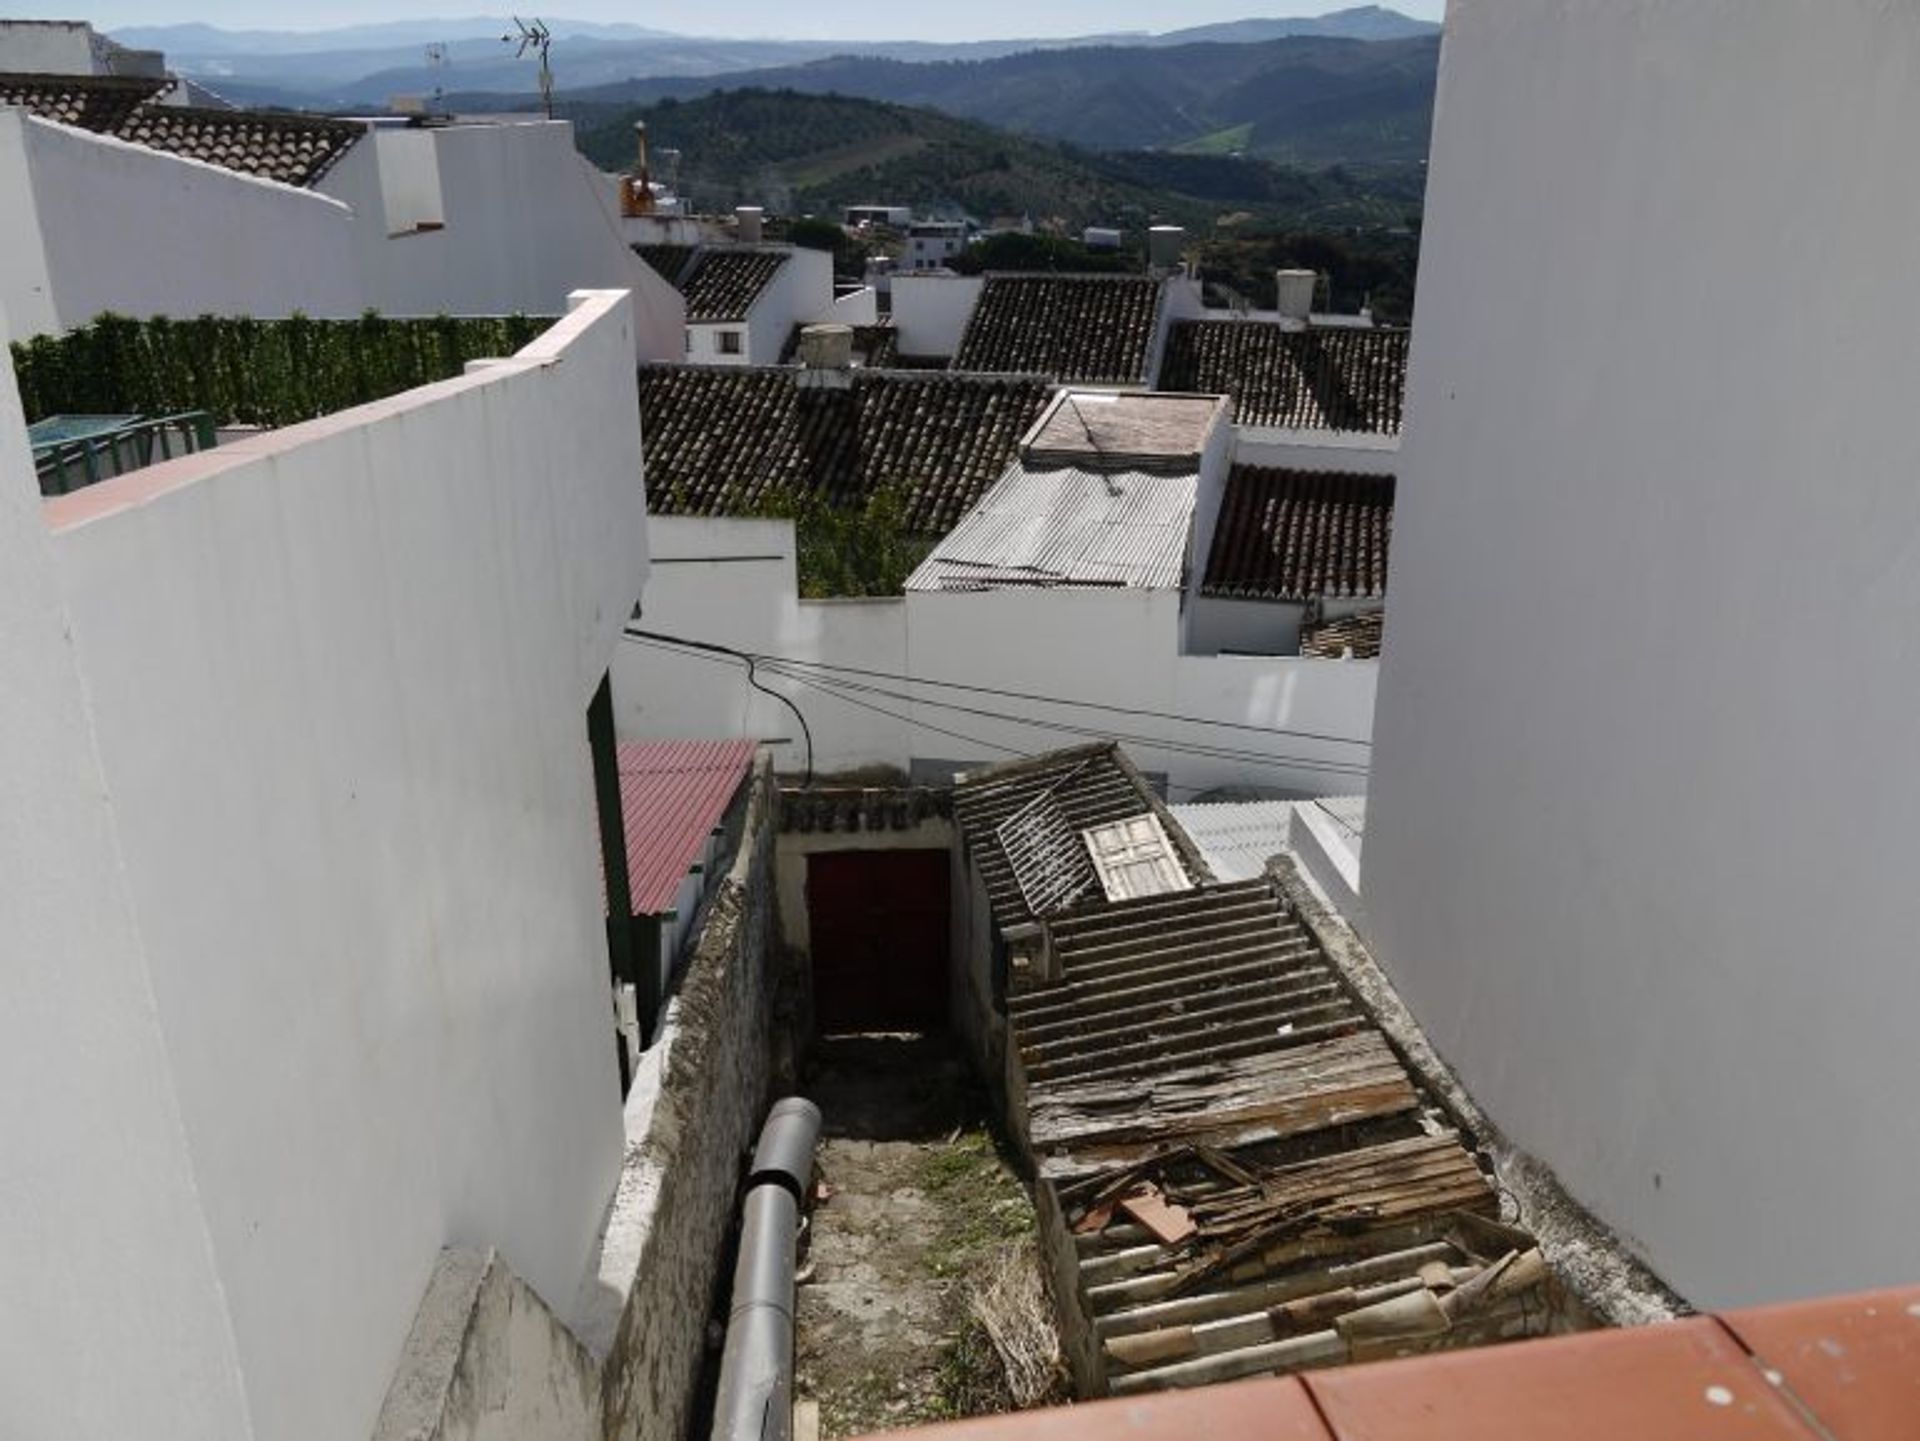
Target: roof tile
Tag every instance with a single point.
(1296, 534)
(724, 283)
(724, 440)
(1335, 379)
(1085, 329)
(1854, 1361)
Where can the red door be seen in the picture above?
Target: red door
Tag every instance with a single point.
(878, 921)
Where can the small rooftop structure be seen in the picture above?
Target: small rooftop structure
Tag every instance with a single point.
(1065, 525)
(1085, 329)
(1312, 379)
(1299, 535)
(1103, 429)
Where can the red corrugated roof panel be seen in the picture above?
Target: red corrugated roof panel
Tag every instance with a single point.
(672, 796)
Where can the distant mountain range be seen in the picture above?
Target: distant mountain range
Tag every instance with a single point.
(1303, 101)
(799, 153)
(362, 66)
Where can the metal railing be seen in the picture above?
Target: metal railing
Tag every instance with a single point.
(64, 466)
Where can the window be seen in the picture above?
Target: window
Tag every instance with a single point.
(729, 342)
(1134, 858)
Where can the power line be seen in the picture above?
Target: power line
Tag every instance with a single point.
(1023, 695)
(1189, 748)
(839, 688)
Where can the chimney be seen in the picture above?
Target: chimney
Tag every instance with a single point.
(746, 224)
(826, 357)
(636, 192)
(1294, 289)
(1164, 244)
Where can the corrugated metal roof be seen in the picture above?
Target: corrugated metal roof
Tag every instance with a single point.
(1237, 837)
(1068, 526)
(672, 796)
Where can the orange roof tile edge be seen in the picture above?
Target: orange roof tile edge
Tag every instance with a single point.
(1838, 1369)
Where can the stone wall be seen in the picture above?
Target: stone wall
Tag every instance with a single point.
(698, 1099)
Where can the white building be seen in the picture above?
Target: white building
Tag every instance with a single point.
(111, 202)
(1052, 608)
(307, 974)
(1640, 846)
(932, 244)
(746, 304)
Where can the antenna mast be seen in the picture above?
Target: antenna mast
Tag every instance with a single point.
(537, 38)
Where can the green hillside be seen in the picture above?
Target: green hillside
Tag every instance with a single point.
(802, 153)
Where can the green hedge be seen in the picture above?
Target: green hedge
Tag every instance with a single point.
(251, 372)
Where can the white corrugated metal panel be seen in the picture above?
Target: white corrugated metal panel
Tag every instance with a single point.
(1068, 526)
(1237, 837)
(1134, 858)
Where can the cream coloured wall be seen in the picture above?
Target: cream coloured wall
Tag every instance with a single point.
(339, 997)
(1640, 845)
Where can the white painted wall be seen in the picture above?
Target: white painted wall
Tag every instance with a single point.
(731, 582)
(46, 47)
(409, 164)
(800, 291)
(856, 307)
(1640, 849)
(1278, 449)
(527, 221)
(92, 224)
(930, 312)
(337, 678)
(113, 1314)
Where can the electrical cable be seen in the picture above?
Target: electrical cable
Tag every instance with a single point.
(1021, 695)
(1189, 748)
(728, 653)
(834, 686)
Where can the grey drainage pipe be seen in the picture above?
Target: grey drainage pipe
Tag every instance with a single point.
(755, 1400)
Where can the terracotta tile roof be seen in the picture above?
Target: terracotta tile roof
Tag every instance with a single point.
(1671, 1382)
(1705, 1376)
(1336, 379)
(724, 440)
(724, 283)
(1295, 534)
(1853, 1360)
(1085, 329)
(667, 260)
(1354, 636)
(672, 796)
(293, 149)
(100, 103)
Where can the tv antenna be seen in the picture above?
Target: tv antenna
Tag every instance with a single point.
(534, 38)
(437, 63)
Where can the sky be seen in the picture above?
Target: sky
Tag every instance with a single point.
(835, 19)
